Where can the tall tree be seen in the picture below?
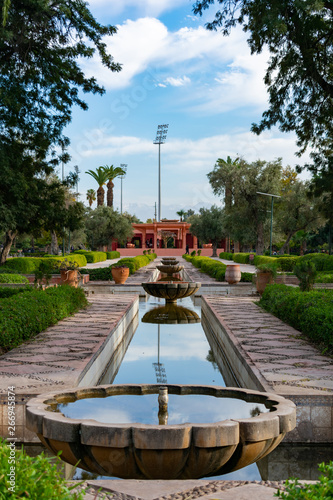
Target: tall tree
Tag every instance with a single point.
(91, 196)
(209, 226)
(181, 214)
(104, 225)
(41, 43)
(112, 172)
(100, 177)
(246, 214)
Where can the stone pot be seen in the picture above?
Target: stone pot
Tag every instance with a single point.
(233, 274)
(120, 274)
(130, 245)
(69, 277)
(263, 279)
(207, 245)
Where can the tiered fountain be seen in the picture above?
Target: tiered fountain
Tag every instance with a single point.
(167, 288)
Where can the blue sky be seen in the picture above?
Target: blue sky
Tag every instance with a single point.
(207, 87)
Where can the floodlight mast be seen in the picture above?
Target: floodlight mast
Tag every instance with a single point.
(161, 134)
(272, 205)
(124, 167)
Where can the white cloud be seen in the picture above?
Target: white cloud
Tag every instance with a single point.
(178, 82)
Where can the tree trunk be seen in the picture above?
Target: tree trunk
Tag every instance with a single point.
(260, 239)
(54, 243)
(100, 196)
(109, 196)
(214, 250)
(285, 245)
(10, 236)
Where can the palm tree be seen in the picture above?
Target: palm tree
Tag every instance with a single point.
(100, 177)
(91, 196)
(112, 172)
(181, 214)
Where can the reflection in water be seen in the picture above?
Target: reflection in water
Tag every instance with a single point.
(194, 408)
(171, 314)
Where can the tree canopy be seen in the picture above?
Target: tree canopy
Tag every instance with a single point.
(209, 226)
(299, 76)
(105, 224)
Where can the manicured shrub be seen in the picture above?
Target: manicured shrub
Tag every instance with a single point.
(37, 477)
(287, 263)
(24, 265)
(99, 274)
(322, 261)
(306, 272)
(26, 314)
(7, 270)
(193, 253)
(112, 255)
(241, 258)
(13, 278)
(142, 260)
(92, 257)
(324, 277)
(247, 277)
(226, 255)
(263, 259)
(209, 266)
(9, 292)
(309, 312)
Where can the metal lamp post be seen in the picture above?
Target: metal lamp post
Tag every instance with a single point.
(273, 196)
(161, 134)
(124, 167)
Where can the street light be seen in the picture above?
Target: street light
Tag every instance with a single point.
(273, 196)
(161, 134)
(124, 167)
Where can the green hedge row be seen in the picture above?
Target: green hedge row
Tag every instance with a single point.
(322, 261)
(309, 312)
(112, 255)
(226, 255)
(37, 477)
(24, 315)
(214, 268)
(133, 263)
(28, 265)
(6, 292)
(13, 278)
(92, 257)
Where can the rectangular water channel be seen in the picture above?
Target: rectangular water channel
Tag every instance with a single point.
(181, 354)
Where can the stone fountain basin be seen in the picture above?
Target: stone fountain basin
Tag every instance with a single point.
(171, 291)
(168, 262)
(170, 269)
(139, 451)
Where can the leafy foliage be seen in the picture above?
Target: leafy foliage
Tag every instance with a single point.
(305, 271)
(9, 292)
(320, 490)
(35, 477)
(309, 312)
(93, 257)
(13, 278)
(105, 224)
(25, 315)
(209, 226)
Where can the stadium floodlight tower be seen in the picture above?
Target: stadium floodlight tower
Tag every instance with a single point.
(124, 167)
(161, 134)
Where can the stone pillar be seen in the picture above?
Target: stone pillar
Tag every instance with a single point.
(195, 243)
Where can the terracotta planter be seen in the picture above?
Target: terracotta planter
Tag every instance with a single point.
(69, 277)
(207, 245)
(233, 274)
(130, 245)
(262, 280)
(120, 274)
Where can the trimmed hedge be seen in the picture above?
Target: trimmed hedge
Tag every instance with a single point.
(263, 259)
(309, 312)
(133, 263)
(324, 277)
(241, 258)
(214, 268)
(28, 265)
(287, 263)
(13, 278)
(6, 292)
(112, 255)
(322, 261)
(26, 314)
(92, 257)
(226, 255)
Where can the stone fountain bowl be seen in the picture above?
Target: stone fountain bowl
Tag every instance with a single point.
(169, 291)
(171, 314)
(139, 451)
(170, 269)
(167, 262)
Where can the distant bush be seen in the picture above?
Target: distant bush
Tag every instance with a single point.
(99, 274)
(226, 255)
(92, 257)
(13, 278)
(209, 266)
(306, 272)
(247, 277)
(324, 277)
(37, 477)
(24, 315)
(112, 255)
(263, 259)
(309, 312)
(28, 265)
(287, 263)
(241, 258)
(322, 261)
